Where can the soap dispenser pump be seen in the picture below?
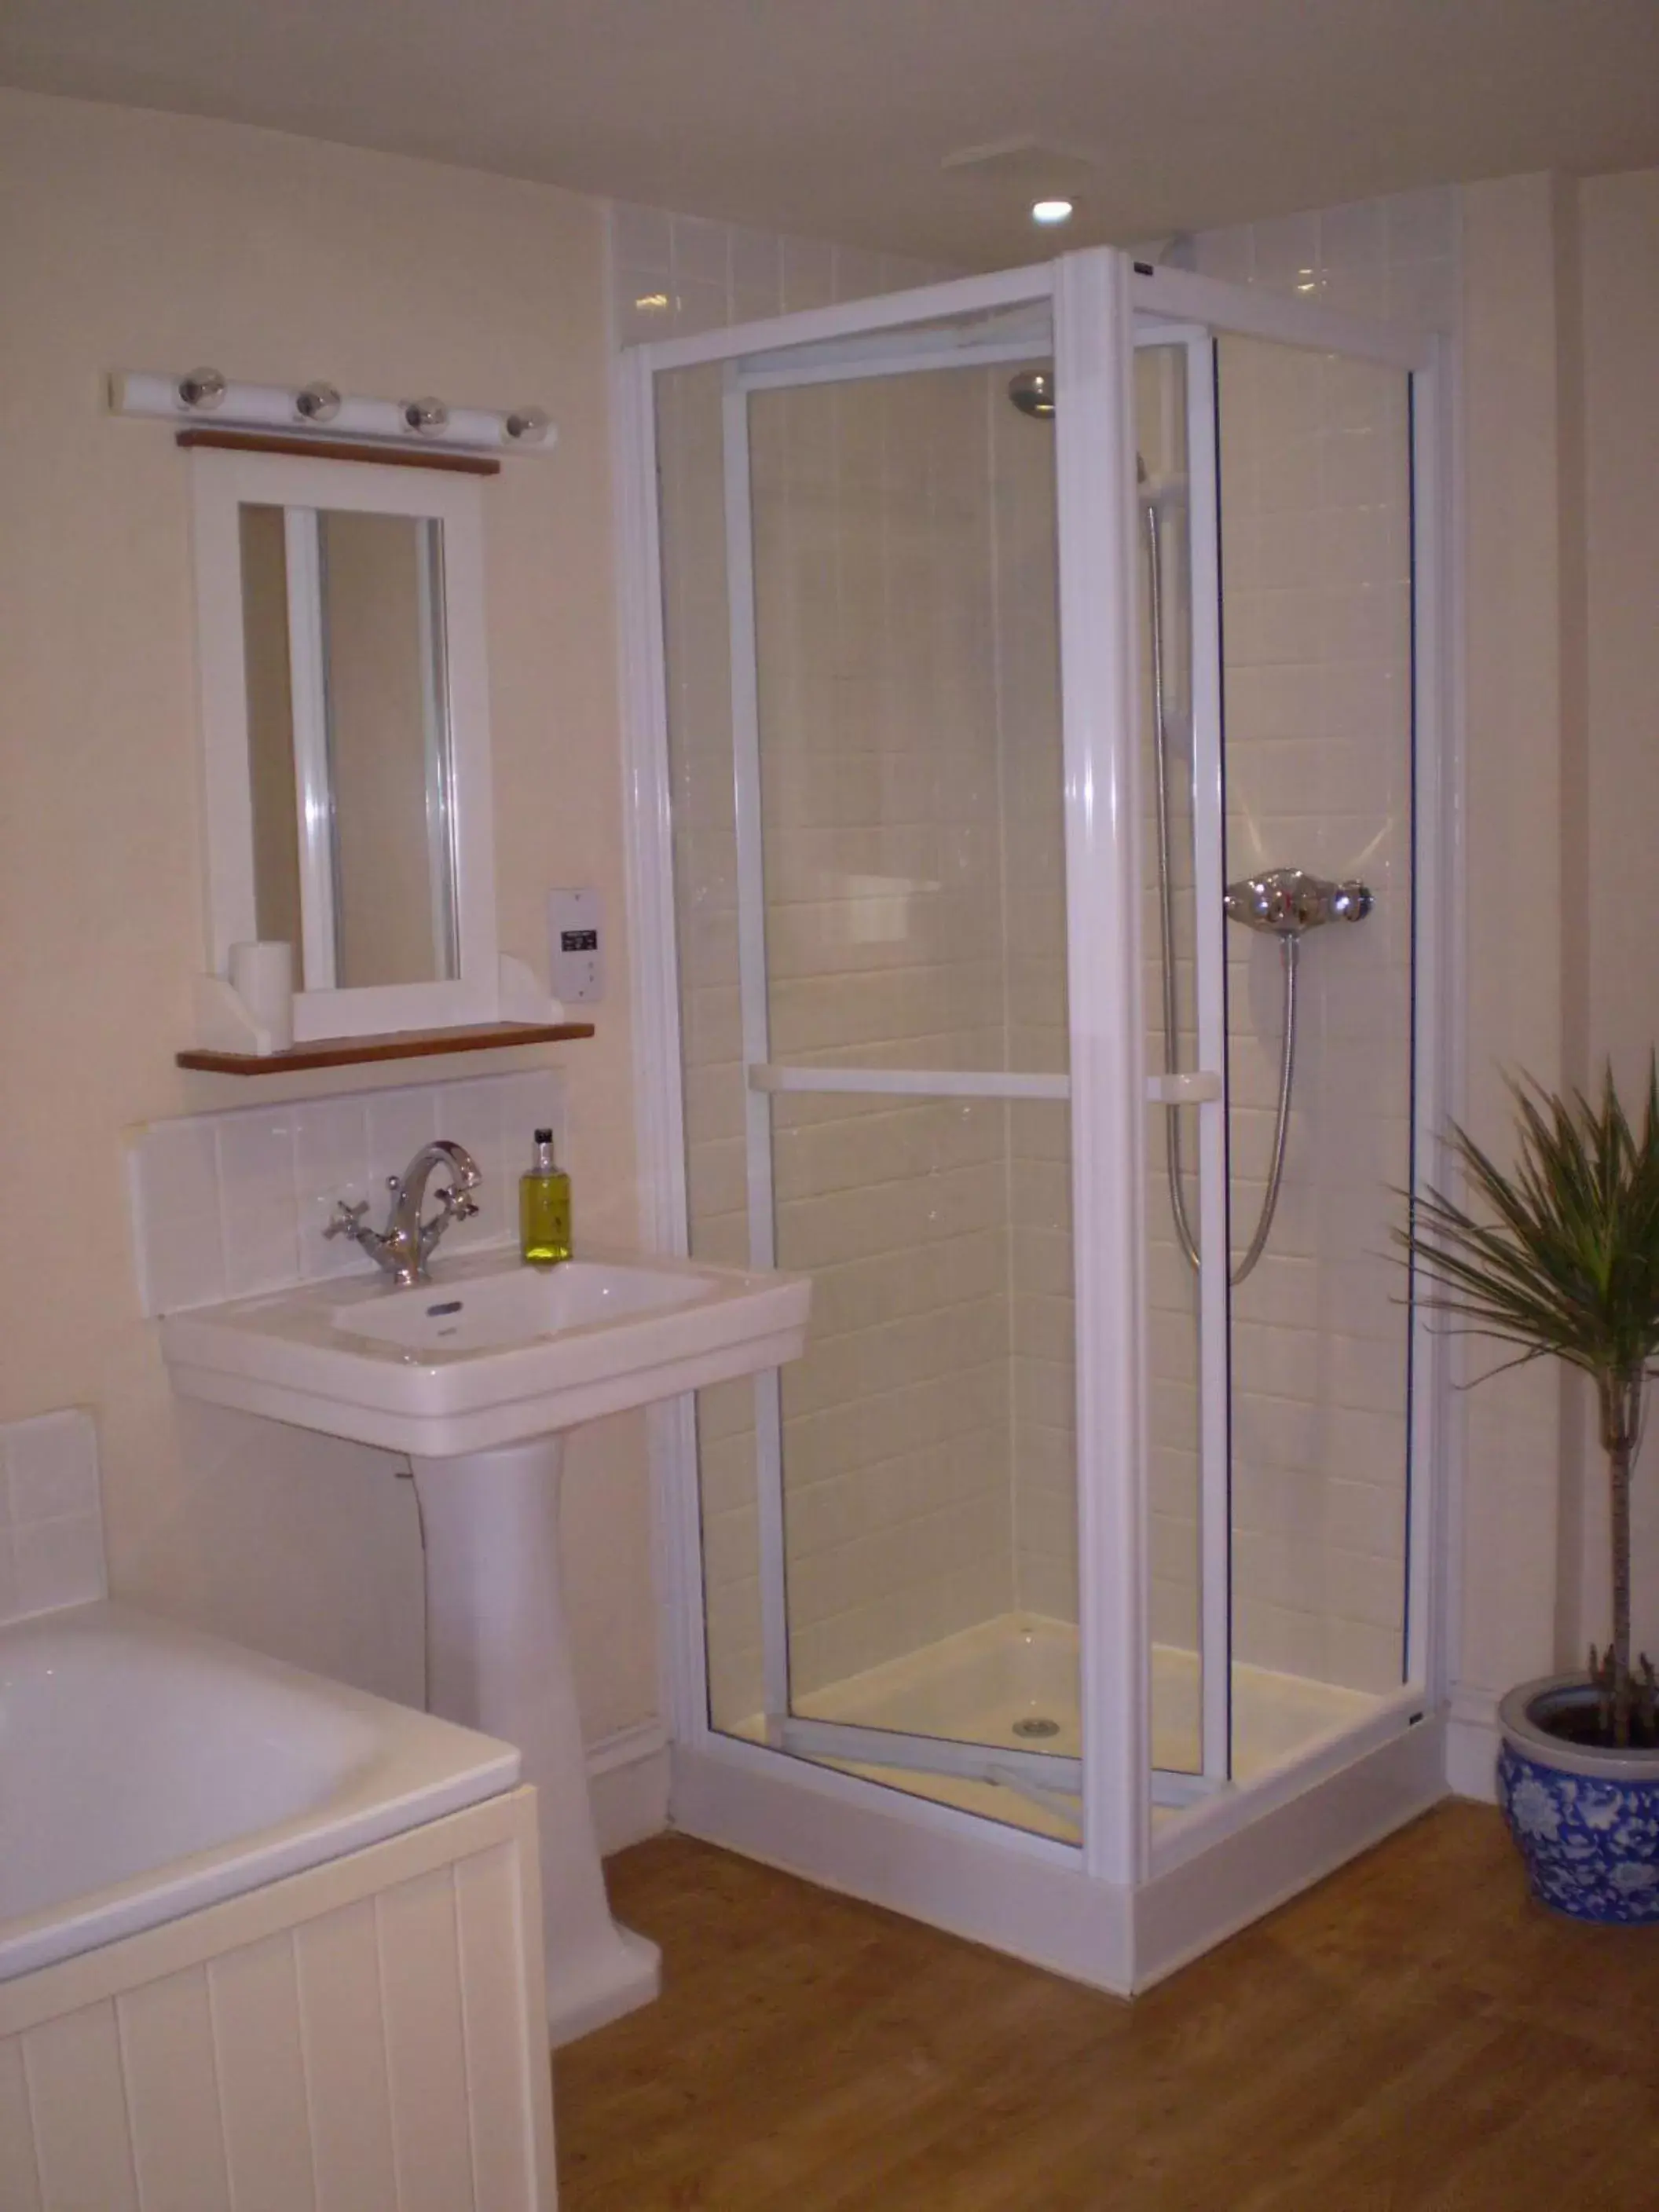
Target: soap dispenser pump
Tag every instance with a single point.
(544, 1207)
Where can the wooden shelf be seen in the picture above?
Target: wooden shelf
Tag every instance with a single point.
(388, 456)
(402, 1044)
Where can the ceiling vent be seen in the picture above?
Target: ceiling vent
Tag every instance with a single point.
(1029, 166)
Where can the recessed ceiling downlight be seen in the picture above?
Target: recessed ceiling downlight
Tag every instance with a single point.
(1051, 211)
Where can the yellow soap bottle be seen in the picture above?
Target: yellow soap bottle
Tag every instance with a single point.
(544, 1207)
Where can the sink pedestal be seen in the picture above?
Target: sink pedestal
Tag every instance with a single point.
(498, 1658)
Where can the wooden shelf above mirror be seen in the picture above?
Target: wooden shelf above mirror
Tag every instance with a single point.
(403, 1044)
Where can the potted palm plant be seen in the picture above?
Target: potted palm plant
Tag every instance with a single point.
(1567, 1266)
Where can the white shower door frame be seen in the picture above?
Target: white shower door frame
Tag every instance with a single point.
(1087, 294)
(1094, 297)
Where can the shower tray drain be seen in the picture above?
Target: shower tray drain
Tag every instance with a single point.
(1037, 1726)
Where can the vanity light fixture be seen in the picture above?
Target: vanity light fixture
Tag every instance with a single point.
(304, 411)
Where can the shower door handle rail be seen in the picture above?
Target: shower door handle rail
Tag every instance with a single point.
(1196, 1086)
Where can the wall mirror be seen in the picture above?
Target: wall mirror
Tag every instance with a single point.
(346, 718)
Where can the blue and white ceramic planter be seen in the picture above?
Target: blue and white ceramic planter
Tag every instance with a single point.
(1586, 1820)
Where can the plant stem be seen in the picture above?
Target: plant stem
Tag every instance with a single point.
(1621, 1425)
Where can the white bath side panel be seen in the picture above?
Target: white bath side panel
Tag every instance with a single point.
(17, 2174)
(420, 1977)
(343, 2035)
(173, 2111)
(365, 2036)
(502, 2092)
(82, 2145)
(261, 2082)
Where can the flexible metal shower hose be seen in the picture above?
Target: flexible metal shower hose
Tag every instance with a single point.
(1289, 949)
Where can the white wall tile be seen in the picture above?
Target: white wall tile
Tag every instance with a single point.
(757, 269)
(257, 1198)
(699, 306)
(178, 1236)
(644, 304)
(228, 1204)
(639, 237)
(400, 1123)
(809, 274)
(1422, 226)
(331, 1169)
(52, 1553)
(701, 250)
(59, 1563)
(51, 1460)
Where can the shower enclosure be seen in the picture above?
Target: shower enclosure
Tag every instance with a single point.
(1035, 761)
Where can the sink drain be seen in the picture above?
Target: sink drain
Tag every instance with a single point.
(1037, 1726)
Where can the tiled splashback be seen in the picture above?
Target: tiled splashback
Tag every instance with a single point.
(51, 1530)
(225, 1204)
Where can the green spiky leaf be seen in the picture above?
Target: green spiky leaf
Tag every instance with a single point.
(1562, 1255)
(1559, 1254)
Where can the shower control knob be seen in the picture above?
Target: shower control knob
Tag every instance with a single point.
(1285, 901)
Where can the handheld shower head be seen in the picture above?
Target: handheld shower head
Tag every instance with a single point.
(1286, 902)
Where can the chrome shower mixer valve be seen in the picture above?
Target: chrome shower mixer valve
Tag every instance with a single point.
(1285, 901)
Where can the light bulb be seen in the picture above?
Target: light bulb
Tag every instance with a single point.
(526, 425)
(203, 387)
(1051, 211)
(318, 402)
(428, 416)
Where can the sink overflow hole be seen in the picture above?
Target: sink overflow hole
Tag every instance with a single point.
(1037, 1726)
(449, 1305)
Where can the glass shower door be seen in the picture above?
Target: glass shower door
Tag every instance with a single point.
(887, 1094)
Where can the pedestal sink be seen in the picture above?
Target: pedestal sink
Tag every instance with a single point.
(478, 1376)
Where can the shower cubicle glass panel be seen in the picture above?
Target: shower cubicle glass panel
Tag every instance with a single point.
(1277, 921)
(860, 619)
(1314, 458)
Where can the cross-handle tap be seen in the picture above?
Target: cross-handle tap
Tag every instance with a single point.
(406, 1243)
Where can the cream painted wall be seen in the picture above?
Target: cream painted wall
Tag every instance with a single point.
(1619, 227)
(142, 241)
(1514, 423)
(1562, 444)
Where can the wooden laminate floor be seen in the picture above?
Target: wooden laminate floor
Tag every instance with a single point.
(1414, 2034)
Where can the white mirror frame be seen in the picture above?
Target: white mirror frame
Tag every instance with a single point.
(223, 483)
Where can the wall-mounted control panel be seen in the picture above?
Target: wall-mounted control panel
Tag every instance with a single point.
(576, 939)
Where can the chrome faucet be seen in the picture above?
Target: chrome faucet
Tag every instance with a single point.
(406, 1243)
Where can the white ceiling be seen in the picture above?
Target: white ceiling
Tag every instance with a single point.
(832, 117)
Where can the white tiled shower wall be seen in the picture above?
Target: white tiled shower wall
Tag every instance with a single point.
(889, 1547)
(228, 1204)
(52, 1533)
(673, 275)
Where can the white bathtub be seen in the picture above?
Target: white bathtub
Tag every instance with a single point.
(147, 1772)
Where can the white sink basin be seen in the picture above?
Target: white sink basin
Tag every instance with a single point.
(476, 1376)
(490, 1351)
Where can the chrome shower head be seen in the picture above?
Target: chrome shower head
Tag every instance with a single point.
(1286, 902)
(1032, 390)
